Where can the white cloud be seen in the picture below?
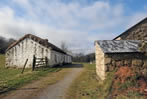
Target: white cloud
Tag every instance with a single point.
(136, 18)
(74, 23)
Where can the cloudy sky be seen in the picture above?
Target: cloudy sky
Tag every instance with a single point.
(77, 22)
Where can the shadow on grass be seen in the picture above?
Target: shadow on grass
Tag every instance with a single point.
(6, 89)
(69, 66)
(27, 88)
(10, 89)
(45, 68)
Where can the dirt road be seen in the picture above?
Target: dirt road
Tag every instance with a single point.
(54, 91)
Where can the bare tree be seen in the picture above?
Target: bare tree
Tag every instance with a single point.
(64, 46)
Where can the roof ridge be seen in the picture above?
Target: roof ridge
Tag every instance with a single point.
(131, 27)
(41, 41)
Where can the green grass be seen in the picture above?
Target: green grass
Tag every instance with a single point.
(86, 86)
(11, 78)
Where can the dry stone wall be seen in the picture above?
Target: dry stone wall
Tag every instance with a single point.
(134, 60)
(139, 32)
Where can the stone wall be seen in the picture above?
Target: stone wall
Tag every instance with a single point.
(134, 60)
(100, 68)
(139, 32)
(17, 55)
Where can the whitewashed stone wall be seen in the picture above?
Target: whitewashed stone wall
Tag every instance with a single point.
(17, 55)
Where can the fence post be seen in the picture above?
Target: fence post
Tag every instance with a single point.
(24, 66)
(46, 61)
(34, 62)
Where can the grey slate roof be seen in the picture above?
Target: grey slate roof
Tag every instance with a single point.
(119, 46)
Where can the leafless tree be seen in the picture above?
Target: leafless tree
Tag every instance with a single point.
(64, 46)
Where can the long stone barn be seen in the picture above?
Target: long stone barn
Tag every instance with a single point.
(29, 46)
(111, 54)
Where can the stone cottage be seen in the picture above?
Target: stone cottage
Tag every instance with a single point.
(111, 54)
(31, 45)
(136, 32)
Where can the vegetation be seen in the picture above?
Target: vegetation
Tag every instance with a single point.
(4, 43)
(128, 83)
(86, 86)
(84, 58)
(11, 78)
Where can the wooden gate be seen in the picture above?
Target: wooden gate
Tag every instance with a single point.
(38, 62)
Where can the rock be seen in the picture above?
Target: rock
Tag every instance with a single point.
(107, 68)
(127, 62)
(113, 63)
(145, 64)
(119, 63)
(107, 61)
(137, 62)
(144, 72)
(111, 68)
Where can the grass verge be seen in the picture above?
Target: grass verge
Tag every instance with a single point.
(86, 86)
(11, 78)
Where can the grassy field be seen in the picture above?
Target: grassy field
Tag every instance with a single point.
(11, 78)
(86, 86)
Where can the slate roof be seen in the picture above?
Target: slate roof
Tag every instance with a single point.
(43, 42)
(119, 46)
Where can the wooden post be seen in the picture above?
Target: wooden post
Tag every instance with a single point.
(34, 62)
(46, 61)
(24, 66)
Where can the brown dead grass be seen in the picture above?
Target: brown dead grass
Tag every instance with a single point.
(128, 83)
(123, 74)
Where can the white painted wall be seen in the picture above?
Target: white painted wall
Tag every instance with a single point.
(17, 55)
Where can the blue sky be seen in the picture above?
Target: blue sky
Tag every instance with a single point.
(77, 22)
